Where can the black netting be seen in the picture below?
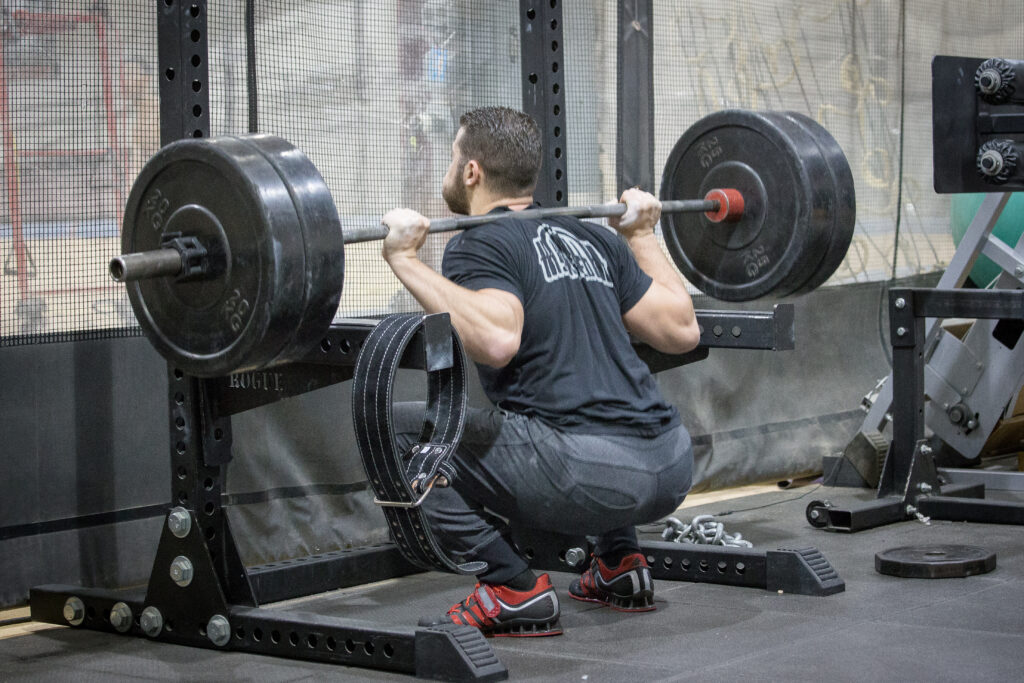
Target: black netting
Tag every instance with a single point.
(371, 91)
(863, 70)
(79, 114)
(590, 86)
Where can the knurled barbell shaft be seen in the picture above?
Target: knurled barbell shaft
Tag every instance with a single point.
(168, 262)
(379, 232)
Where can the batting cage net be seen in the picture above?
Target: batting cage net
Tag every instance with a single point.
(372, 91)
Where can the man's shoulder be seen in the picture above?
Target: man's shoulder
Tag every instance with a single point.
(509, 228)
(596, 232)
(602, 232)
(501, 229)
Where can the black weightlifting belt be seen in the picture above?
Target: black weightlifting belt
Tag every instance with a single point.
(401, 480)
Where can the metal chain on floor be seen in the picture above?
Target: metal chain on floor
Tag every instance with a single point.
(703, 529)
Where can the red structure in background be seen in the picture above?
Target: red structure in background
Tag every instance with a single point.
(25, 23)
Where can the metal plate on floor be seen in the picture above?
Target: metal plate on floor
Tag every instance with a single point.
(935, 561)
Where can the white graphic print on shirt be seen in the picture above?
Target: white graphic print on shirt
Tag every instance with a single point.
(562, 254)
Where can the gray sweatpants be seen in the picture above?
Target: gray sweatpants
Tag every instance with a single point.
(515, 471)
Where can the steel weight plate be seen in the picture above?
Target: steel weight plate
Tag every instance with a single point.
(844, 212)
(935, 561)
(233, 200)
(823, 199)
(322, 239)
(764, 251)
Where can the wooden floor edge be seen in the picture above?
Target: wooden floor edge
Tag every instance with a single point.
(16, 630)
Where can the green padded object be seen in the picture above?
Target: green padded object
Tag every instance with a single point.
(1008, 229)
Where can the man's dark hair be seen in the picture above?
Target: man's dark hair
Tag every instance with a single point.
(506, 144)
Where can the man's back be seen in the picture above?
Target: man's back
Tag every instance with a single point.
(576, 368)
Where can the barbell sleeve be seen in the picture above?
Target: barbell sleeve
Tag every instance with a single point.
(146, 264)
(379, 232)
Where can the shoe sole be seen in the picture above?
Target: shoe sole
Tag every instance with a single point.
(525, 631)
(621, 604)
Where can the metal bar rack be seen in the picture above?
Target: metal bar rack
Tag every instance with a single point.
(201, 594)
(910, 484)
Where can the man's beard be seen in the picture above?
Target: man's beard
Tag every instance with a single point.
(455, 195)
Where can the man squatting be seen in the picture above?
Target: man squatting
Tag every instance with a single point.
(580, 439)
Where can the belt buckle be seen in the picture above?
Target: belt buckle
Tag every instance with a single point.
(417, 502)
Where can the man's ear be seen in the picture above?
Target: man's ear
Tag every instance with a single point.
(472, 173)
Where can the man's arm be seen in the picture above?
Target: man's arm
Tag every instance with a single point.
(664, 316)
(489, 321)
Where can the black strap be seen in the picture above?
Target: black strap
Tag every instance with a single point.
(402, 480)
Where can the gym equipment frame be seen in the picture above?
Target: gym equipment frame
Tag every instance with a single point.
(969, 381)
(200, 593)
(910, 485)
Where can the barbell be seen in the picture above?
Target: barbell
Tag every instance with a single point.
(183, 257)
(234, 251)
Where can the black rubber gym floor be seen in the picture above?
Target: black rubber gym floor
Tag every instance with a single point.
(880, 628)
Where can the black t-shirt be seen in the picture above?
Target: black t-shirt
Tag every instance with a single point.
(576, 368)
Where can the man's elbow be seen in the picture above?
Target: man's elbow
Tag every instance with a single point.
(683, 338)
(499, 351)
(691, 335)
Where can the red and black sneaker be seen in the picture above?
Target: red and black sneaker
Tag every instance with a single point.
(626, 588)
(503, 612)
